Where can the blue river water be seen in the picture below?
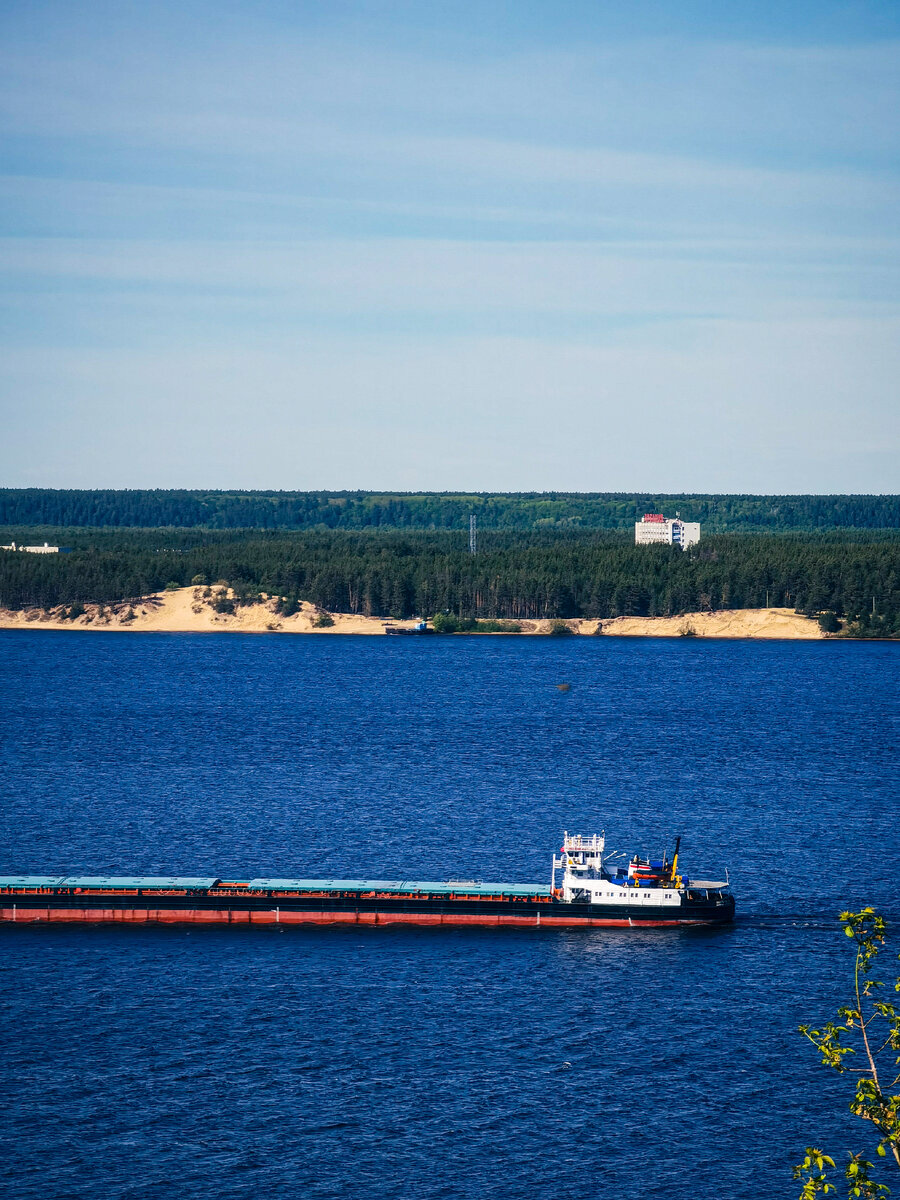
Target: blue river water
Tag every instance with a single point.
(438, 1064)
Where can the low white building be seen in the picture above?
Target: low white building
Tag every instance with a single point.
(45, 549)
(654, 529)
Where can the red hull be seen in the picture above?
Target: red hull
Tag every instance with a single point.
(201, 916)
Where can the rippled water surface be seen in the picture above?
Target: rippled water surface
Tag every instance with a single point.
(457, 1064)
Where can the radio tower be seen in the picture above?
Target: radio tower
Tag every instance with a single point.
(473, 535)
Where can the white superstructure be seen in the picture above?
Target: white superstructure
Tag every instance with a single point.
(655, 529)
(590, 878)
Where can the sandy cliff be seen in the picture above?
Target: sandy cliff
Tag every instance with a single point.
(189, 611)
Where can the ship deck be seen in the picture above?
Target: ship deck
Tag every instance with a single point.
(142, 884)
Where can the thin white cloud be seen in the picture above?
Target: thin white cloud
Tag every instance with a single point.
(243, 87)
(377, 277)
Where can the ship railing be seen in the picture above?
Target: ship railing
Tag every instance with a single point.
(574, 841)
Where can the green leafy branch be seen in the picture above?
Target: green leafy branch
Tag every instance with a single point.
(874, 1025)
(815, 1177)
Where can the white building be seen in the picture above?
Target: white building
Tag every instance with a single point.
(655, 529)
(45, 549)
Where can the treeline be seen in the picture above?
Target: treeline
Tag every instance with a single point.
(513, 576)
(437, 510)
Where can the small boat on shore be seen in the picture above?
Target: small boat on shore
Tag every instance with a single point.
(422, 627)
(592, 891)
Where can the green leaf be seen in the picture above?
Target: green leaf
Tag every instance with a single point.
(881, 1150)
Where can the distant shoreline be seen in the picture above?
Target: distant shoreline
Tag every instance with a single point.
(188, 610)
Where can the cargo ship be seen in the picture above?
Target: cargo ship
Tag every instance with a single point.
(593, 889)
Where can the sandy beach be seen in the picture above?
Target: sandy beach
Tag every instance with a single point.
(189, 610)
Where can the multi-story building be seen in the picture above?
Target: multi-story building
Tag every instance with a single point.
(655, 529)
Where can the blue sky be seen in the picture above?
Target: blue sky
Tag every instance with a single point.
(580, 246)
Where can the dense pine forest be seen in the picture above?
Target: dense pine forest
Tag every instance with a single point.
(538, 573)
(433, 510)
